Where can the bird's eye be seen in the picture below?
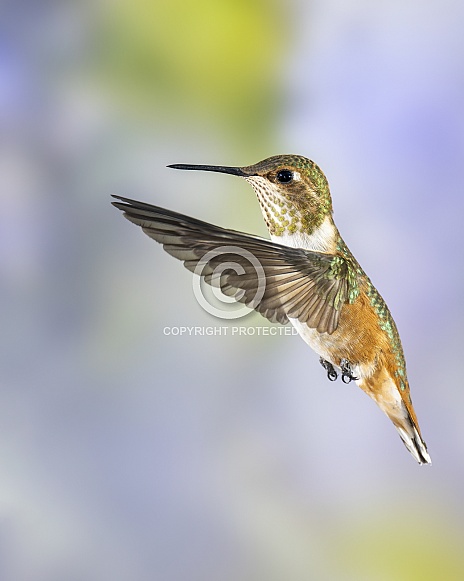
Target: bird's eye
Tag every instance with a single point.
(284, 176)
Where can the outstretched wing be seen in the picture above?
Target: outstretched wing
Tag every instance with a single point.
(277, 281)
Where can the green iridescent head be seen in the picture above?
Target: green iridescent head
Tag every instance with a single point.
(292, 190)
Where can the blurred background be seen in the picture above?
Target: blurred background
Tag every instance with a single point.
(128, 454)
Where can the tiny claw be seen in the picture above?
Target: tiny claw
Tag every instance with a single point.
(347, 371)
(331, 373)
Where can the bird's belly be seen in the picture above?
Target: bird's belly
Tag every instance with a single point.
(323, 344)
(335, 347)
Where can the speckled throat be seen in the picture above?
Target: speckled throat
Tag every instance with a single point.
(283, 216)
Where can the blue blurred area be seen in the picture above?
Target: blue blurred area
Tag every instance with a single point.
(127, 454)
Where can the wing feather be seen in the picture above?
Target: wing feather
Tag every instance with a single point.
(309, 286)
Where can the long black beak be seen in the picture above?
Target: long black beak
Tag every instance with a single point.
(235, 171)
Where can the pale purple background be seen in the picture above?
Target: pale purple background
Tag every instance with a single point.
(129, 455)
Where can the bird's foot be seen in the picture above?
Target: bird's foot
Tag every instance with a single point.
(331, 373)
(347, 371)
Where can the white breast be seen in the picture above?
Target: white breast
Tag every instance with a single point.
(323, 239)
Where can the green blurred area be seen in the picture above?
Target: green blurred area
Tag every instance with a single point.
(405, 545)
(218, 62)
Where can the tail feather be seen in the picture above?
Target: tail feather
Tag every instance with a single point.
(414, 442)
(397, 405)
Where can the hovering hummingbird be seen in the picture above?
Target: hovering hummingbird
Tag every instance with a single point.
(311, 279)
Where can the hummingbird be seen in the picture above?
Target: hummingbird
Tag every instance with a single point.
(308, 278)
